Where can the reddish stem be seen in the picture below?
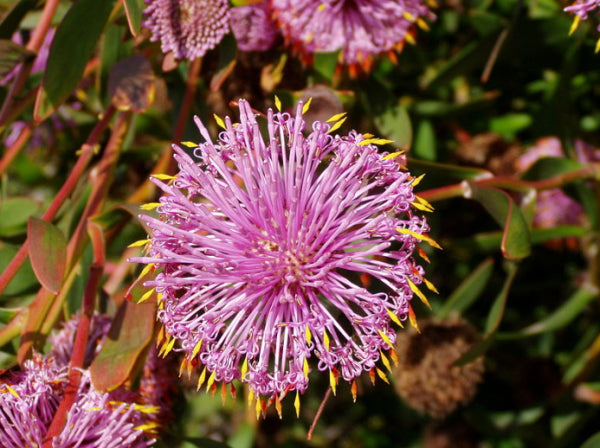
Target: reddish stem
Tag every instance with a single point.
(590, 171)
(318, 414)
(34, 45)
(86, 153)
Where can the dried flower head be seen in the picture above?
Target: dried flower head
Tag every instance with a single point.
(188, 28)
(359, 29)
(29, 399)
(426, 377)
(260, 245)
(253, 26)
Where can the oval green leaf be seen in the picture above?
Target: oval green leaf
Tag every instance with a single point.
(516, 241)
(14, 214)
(129, 336)
(47, 253)
(73, 45)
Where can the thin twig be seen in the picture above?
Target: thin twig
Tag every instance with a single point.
(318, 414)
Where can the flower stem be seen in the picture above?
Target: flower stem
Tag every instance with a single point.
(85, 155)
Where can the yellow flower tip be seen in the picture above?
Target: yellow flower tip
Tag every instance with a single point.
(277, 103)
(190, 144)
(336, 126)
(368, 135)
(297, 404)
(12, 391)
(422, 24)
(162, 176)
(375, 141)
(308, 335)
(309, 38)
(337, 117)
(258, 408)
(423, 254)
(392, 155)
(149, 206)
(432, 3)
(382, 375)
(332, 381)
(149, 267)
(168, 347)
(211, 381)
(417, 180)
(139, 243)
(597, 49)
(244, 368)
(182, 366)
(196, 349)
(385, 361)
(385, 338)
(146, 295)
(574, 25)
(354, 390)
(306, 368)
(219, 121)
(430, 286)
(420, 237)
(326, 340)
(201, 379)
(410, 38)
(307, 105)
(418, 292)
(394, 318)
(408, 16)
(321, 7)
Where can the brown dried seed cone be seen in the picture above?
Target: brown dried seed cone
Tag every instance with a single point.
(425, 376)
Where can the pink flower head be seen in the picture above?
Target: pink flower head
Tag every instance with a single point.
(262, 241)
(253, 26)
(582, 9)
(29, 399)
(188, 28)
(359, 29)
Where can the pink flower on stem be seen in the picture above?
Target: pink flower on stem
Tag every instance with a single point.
(260, 245)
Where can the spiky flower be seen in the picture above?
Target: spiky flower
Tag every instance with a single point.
(187, 28)
(29, 399)
(253, 26)
(262, 241)
(359, 29)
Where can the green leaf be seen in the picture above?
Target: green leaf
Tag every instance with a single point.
(14, 214)
(509, 125)
(516, 242)
(24, 280)
(12, 19)
(493, 320)
(547, 167)
(497, 311)
(425, 146)
(469, 289)
(559, 318)
(395, 124)
(11, 55)
(325, 64)
(243, 437)
(592, 442)
(47, 253)
(129, 336)
(73, 45)
(133, 11)
(447, 171)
